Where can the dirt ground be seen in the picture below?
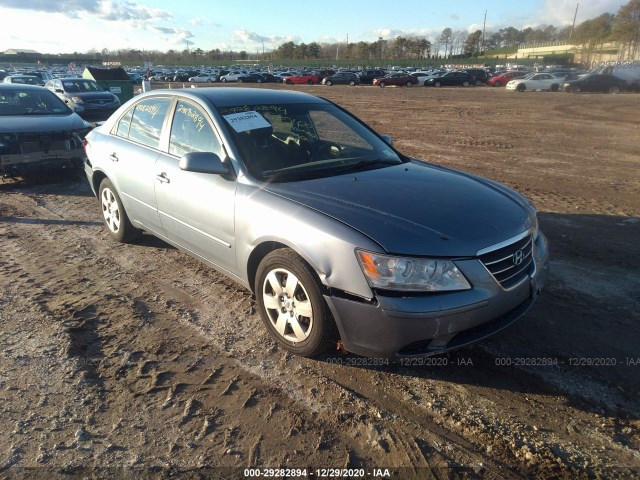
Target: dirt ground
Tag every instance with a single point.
(137, 360)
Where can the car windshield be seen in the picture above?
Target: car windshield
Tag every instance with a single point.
(303, 141)
(80, 85)
(30, 102)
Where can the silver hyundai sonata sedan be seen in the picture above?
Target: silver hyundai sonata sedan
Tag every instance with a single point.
(343, 240)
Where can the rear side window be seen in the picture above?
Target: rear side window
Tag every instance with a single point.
(146, 122)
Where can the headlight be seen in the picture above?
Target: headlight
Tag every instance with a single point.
(411, 274)
(77, 100)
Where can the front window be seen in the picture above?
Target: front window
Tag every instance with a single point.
(302, 141)
(30, 102)
(80, 85)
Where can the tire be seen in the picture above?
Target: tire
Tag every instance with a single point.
(328, 83)
(223, 80)
(114, 215)
(259, 81)
(614, 90)
(239, 80)
(437, 84)
(291, 305)
(382, 84)
(465, 84)
(554, 88)
(409, 84)
(352, 83)
(497, 84)
(478, 83)
(575, 89)
(521, 87)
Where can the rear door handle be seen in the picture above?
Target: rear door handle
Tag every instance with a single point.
(113, 157)
(162, 177)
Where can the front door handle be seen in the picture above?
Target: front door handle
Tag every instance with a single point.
(162, 177)
(113, 157)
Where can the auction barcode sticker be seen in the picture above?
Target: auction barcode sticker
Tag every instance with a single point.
(241, 122)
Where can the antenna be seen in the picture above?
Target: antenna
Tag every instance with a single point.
(574, 21)
(484, 27)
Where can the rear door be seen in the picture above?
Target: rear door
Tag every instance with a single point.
(133, 152)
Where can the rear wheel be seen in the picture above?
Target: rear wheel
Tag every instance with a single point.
(291, 305)
(465, 84)
(497, 84)
(409, 84)
(113, 213)
(554, 87)
(614, 90)
(223, 80)
(328, 82)
(309, 82)
(575, 89)
(352, 83)
(382, 84)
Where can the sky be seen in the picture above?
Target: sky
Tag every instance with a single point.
(67, 26)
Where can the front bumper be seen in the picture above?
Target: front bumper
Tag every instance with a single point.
(408, 327)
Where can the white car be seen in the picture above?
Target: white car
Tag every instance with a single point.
(232, 76)
(203, 78)
(537, 81)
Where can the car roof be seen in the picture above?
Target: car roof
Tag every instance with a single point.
(21, 86)
(231, 96)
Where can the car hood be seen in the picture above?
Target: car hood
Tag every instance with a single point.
(41, 123)
(416, 208)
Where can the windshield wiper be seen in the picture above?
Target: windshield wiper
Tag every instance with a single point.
(366, 164)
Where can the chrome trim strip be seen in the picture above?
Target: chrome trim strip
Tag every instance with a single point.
(512, 266)
(506, 243)
(139, 201)
(215, 239)
(525, 246)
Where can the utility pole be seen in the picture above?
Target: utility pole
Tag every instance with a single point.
(484, 27)
(574, 22)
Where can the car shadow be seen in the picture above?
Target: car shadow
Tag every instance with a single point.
(580, 338)
(64, 182)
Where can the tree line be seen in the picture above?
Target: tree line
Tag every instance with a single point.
(590, 35)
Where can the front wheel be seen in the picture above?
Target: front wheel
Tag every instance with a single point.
(465, 84)
(352, 83)
(409, 84)
(309, 82)
(328, 83)
(614, 90)
(437, 84)
(497, 84)
(382, 84)
(290, 300)
(223, 80)
(554, 88)
(521, 87)
(113, 213)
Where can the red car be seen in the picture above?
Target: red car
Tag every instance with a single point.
(302, 79)
(400, 79)
(503, 79)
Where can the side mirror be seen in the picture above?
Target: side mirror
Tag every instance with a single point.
(203, 162)
(387, 139)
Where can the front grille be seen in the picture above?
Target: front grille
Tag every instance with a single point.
(510, 264)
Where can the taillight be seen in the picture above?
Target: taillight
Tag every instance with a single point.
(84, 144)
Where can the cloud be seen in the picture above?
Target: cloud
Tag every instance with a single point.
(176, 36)
(561, 12)
(203, 21)
(391, 33)
(111, 11)
(244, 38)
